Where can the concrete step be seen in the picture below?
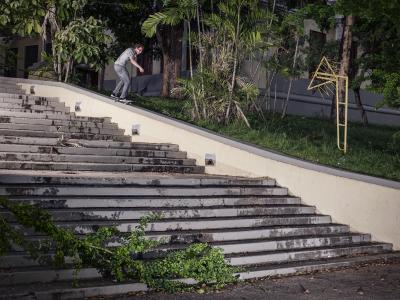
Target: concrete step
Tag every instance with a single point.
(31, 102)
(11, 90)
(44, 275)
(184, 237)
(95, 288)
(66, 290)
(51, 116)
(244, 234)
(146, 180)
(37, 110)
(88, 143)
(16, 148)
(58, 166)
(67, 129)
(301, 267)
(130, 202)
(127, 145)
(7, 84)
(138, 191)
(293, 243)
(68, 214)
(58, 108)
(37, 157)
(50, 122)
(21, 260)
(256, 246)
(200, 224)
(28, 97)
(67, 135)
(307, 254)
(27, 102)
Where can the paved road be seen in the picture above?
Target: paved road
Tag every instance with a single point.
(368, 282)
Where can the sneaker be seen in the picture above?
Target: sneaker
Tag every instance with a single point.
(114, 96)
(125, 101)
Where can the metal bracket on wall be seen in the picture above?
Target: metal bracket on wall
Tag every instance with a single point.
(135, 129)
(210, 159)
(78, 106)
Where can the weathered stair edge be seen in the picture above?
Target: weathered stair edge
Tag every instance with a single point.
(89, 288)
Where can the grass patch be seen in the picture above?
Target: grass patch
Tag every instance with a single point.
(372, 150)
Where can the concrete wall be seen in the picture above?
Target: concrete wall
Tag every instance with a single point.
(366, 203)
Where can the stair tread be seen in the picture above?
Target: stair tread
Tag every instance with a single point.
(68, 267)
(331, 247)
(233, 230)
(96, 156)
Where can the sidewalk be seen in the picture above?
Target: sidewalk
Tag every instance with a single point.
(377, 281)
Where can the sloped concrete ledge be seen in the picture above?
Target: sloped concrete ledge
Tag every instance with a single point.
(366, 203)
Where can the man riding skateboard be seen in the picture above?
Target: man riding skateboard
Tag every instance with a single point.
(129, 54)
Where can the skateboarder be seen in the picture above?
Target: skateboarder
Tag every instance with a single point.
(129, 54)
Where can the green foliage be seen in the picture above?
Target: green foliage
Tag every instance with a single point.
(121, 262)
(174, 13)
(44, 70)
(75, 40)
(377, 31)
(198, 261)
(84, 41)
(390, 87)
(219, 89)
(322, 14)
(317, 50)
(25, 16)
(125, 32)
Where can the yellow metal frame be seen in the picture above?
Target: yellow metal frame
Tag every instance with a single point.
(330, 78)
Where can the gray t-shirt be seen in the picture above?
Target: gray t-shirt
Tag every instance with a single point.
(125, 57)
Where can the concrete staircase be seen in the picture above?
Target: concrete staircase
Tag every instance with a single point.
(39, 133)
(84, 171)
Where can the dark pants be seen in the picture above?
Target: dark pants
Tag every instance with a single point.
(124, 81)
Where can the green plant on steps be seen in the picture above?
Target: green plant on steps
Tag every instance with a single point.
(121, 262)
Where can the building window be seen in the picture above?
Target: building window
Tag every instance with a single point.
(48, 49)
(11, 62)
(31, 57)
(317, 43)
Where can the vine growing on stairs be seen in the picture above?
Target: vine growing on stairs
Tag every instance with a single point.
(116, 255)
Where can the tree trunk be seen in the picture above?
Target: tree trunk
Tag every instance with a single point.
(285, 105)
(59, 67)
(357, 97)
(69, 65)
(235, 63)
(100, 82)
(345, 57)
(200, 47)
(352, 75)
(169, 38)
